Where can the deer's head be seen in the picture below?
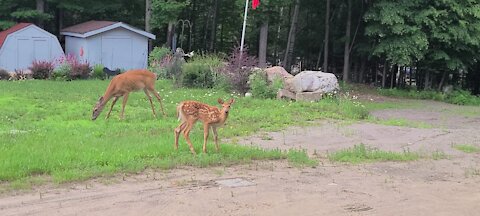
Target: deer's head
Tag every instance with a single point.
(226, 104)
(97, 109)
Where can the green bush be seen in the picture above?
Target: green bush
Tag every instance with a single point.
(460, 97)
(157, 54)
(97, 72)
(159, 62)
(200, 71)
(260, 86)
(62, 72)
(221, 82)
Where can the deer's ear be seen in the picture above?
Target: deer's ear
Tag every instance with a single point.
(100, 99)
(231, 101)
(220, 101)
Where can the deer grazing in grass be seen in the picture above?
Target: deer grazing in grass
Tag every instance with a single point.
(190, 112)
(122, 85)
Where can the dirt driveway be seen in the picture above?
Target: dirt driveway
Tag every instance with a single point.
(448, 186)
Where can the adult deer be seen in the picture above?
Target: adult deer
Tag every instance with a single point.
(122, 85)
(190, 112)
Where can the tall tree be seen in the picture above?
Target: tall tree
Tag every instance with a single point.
(346, 54)
(262, 49)
(213, 32)
(287, 60)
(326, 39)
(40, 9)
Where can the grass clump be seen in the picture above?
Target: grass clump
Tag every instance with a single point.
(402, 123)
(467, 148)
(363, 154)
(299, 158)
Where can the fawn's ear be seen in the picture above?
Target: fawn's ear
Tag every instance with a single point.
(220, 101)
(231, 101)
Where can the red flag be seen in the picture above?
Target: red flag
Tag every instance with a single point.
(255, 3)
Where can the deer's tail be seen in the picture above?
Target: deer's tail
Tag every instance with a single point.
(180, 114)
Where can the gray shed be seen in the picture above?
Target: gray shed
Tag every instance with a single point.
(115, 45)
(24, 43)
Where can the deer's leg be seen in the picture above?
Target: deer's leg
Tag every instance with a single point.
(186, 133)
(177, 131)
(124, 102)
(215, 137)
(111, 107)
(205, 136)
(159, 99)
(151, 103)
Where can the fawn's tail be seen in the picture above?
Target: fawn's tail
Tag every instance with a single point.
(180, 114)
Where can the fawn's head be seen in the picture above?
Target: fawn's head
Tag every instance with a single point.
(226, 104)
(97, 109)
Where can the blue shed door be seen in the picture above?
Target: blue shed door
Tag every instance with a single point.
(41, 49)
(117, 52)
(25, 55)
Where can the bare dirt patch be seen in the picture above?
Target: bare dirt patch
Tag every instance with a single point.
(425, 187)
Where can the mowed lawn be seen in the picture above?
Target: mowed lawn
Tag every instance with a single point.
(46, 131)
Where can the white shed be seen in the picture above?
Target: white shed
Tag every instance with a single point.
(23, 43)
(115, 45)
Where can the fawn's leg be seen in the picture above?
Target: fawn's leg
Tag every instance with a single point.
(177, 131)
(124, 102)
(205, 136)
(186, 132)
(151, 103)
(215, 137)
(159, 99)
(111, 107)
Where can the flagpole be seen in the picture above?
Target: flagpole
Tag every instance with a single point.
(243, 30)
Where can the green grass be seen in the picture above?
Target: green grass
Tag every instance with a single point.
(402, 123)
(46, 131)
(467, 148)
(459, 97)
(300, 159)
(363, 154)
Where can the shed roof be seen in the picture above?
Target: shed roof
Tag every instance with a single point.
(90, 28)
(5, 33)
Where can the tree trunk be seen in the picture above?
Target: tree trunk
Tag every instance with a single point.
(279, 28)
(192, 21)
(41, 9)
(361, 73)
(394, 74)
(410, 74)
(427, 80)
(326, 39)
(59, 20)
(384, 74)
(442, 81)
(170, 33)
(213, 32)
(148, 16)
(262, 50)
(400, 77)
(346, 53)
(287, 61)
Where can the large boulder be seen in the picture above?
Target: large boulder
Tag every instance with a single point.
(312, 81)
(278, 72)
